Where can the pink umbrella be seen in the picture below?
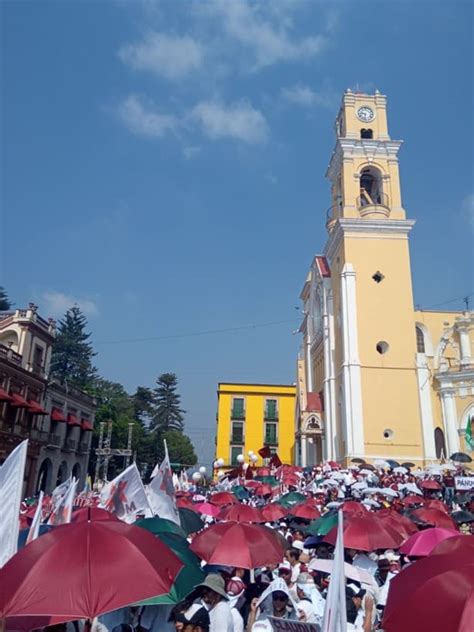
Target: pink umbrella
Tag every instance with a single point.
(422, 543)
(208, 510)
(241, 513)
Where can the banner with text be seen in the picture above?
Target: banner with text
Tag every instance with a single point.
(464, 483)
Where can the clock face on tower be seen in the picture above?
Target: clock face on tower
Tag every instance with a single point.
(365, 114)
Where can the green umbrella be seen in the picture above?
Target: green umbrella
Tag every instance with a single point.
(190, 521)
(290, 499)
(240, 492)
(270, 480)
(188, 577)
(323, 525)
(158, 526)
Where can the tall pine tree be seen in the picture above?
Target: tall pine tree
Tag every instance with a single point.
(72, 352)
(5, 302)
(167, 413)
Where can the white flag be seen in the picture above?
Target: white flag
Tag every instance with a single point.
(11, 493)
(335, 616)
(125, 496)
(161, 492)
(33, 533)
(62, 513)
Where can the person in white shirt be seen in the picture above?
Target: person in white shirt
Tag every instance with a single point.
(215, 600)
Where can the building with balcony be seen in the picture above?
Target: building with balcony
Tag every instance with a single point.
(57, 419)
(376, 378)
(251, 416)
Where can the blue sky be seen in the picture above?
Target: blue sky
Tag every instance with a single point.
(163, 167)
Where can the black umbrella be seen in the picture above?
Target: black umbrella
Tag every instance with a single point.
(460, 499)
(408, 464)
(462, 516)
(190, 521)
(357, 460)
(368, 466)
(393, 463)
(461, 457)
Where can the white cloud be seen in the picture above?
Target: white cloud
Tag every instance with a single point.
(168, 56)
(265, 32)
(306, 97)
(143, 120)
(239, 120)
(57, 303)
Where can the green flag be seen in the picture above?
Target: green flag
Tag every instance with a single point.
(468, 434)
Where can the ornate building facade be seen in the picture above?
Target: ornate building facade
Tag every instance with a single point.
(375, 377)
(57, 419)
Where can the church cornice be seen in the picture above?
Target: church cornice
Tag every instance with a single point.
(383, 228)
(372, 149)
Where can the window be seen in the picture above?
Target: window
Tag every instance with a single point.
(238, 411)
(237, 432)
(420, 341)
(440, 445)
(382, 347)
(388, 433)
(378, 277)
(271, 433)
(271, 409)
(366, 133)
(234, 453)
(38, 359)
(370, 187)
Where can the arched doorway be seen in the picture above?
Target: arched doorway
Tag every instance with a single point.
(44, 476)
(440, 444)
(62, 473)
(76, 471)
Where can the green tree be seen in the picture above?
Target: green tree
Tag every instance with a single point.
(73, 353)
(167, 412)
(142, 401)
(180, 448)
(5, 302)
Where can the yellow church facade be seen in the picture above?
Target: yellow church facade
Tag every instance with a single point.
(375, 377)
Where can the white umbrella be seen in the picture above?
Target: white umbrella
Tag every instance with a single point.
(400, 470)
(338, 476)
(360, 485)
(366, 473)
(373, 490)
(381, 463)
(410, 487)
(387, 491)
(333, 505)
(350, 571)
(331, 482)
(369, 502)
(450, 467)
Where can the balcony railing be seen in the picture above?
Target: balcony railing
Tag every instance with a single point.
(70, 445)
(237, 413)
(9, 354)
(377, 204)
(54, 440)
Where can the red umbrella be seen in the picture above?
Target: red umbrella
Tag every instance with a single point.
(430, 484)
(456, 544)
(367, 533)
(92, 513)
(208, 510)
(434, 517)
(241, 513)
(396, 520)
(82, 570)
(305, 511)
(423, 542)
(251, 484)
(437, 504)
(435, 593)
(352, 506)
(274, 512)
(262, 471)
(413, 500)
(223, 498)
(238, 544)
(185, 503)
(264, 490)
(290, 479)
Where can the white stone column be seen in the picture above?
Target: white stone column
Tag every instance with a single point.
(351, 364)
(426, 411)
(448, 406)
(304, 452)
(327, 442)
(463, 329)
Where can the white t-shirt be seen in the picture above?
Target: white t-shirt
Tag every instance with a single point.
(221, 618)
(237, 619)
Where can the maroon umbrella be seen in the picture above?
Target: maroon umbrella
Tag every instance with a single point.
(241, 513)
(430, 484)
(396, 520)
(435, 593)
(437, 504)
(413, 500)
(82, 570)
(308, 512)
(93, 513)
(264, 489)
(223, 498)
(238, 544)
(433, 517)
(457, 544)
(367, 533)
(274, 512)
(353, 507)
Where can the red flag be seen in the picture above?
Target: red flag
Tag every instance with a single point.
(275, 460)
(265, 452)
(248, 474)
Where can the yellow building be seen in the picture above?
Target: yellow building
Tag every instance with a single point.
(250, 416)
(375, 377)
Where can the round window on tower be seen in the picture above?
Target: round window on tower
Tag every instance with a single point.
(387, 433)
(382, 347)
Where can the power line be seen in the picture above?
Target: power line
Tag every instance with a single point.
(464, 298)
(197, 333)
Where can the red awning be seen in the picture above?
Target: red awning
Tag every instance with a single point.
(4, 396)
(86, 425)
(36, 408)
(19, 401)
(57, 415)
(72, 420)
